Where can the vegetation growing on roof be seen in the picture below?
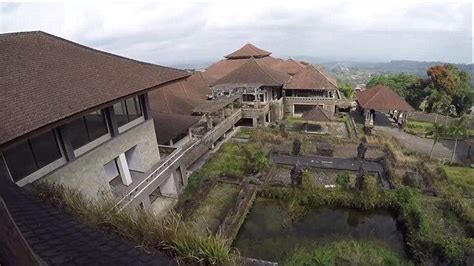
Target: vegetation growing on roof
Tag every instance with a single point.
(169, 234)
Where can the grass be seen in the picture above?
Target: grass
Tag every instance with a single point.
(169, 234)
(430, 231)
(209, 214)
(420, 127)
(346, 252)
(462, 177)
(230, 160)
(244, 133)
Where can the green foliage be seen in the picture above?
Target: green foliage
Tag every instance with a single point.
(397, 82)
(447, 82)
(346, 89)
(343, 180)
(344, 252)
(255, 159)
(169, 233)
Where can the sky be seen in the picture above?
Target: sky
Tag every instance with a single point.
(188, 33)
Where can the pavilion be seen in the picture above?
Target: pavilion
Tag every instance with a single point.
(383, 99)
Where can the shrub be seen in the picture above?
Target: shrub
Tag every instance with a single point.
(343, 180)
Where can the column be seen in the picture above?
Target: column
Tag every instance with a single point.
(123, 169)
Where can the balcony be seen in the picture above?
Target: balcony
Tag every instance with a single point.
(252, 112)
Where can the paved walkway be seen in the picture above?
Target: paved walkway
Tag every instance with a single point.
(442, 151)
(349, 164)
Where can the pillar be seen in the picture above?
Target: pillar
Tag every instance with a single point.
(124, 170)
(254, 122)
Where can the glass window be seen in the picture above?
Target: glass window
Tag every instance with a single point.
(133, 108)
(96, 125)
(120, 112)
(76, 131)
(32, 154)
(127, 111)
(20, 160)
(86, 129)
(45, 149)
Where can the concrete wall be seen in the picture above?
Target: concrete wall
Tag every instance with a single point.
(87, 174)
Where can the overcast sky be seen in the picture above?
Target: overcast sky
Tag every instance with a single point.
(188, 33)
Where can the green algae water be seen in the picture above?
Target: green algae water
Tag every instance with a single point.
(266, 234)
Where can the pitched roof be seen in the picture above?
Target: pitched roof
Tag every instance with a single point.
(47, 79)
(382, 98)
(225, 66)
(58, 238)
(310, 77)
(290, 66)
(169, 126)
(254, 71)
(316, 114)
(182, 96)
(247, 51)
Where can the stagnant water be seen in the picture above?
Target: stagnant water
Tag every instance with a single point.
(266, 235)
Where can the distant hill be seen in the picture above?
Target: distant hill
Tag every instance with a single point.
(360, 72)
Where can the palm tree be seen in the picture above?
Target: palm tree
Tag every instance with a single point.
(457, 129)
(436, 131)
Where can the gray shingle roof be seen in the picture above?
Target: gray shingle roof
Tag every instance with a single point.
(44, 79)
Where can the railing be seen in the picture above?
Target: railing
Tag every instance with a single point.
(222, 127)
(174, 157)
(309, 99)
(154, 176)
(251, 111)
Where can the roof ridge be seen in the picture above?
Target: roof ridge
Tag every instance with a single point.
(263, 69)
(322, 73)
(39, 32)
(378, 88)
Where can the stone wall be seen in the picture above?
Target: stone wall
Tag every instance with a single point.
(86, 173)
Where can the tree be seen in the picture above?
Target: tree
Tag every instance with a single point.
(455, 83)
(397, 82)
(457, 129)
(346, 89)
(436, 131)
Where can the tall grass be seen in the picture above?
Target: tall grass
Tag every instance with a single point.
(169, 234)
(346, 252)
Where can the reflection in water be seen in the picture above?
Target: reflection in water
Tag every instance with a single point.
(265, 235)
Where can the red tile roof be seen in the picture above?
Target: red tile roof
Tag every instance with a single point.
(45, 79)
(254, 71)
(225, 66)
(382, 98)
(169, 126)
(171, 106)
(247, 51)
(290, 66)
(310, 77)
(316, 114)
(182, 96)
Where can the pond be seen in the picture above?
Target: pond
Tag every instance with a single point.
(265, 234)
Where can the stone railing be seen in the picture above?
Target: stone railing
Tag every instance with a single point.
(218, 131)
(183, 155)
(310, 99)
(251, 112)
(156, 177)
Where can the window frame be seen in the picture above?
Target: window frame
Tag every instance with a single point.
(39, 172)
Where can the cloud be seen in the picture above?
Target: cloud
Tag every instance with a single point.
(180, 33)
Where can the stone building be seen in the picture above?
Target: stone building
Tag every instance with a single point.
(80, 117)
(309, 88)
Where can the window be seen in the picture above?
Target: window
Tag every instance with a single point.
(248, 97)
(127, 111)
(86, 129)
(32, 154)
